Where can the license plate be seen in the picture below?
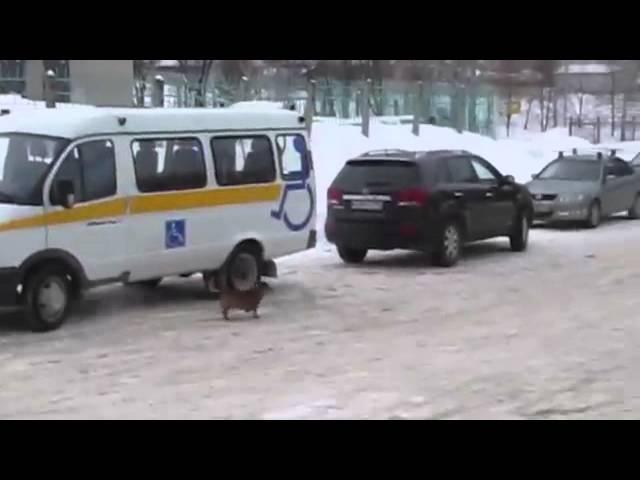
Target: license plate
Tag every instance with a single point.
(366, 205)
(542, 207)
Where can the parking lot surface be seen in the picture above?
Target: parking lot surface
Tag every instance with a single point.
(548, 333)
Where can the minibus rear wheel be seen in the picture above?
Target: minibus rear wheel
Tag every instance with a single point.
(47, 298)
(242, 270)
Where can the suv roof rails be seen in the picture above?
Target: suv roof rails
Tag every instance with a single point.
(442, 152)
(386, 151)
(574, 151)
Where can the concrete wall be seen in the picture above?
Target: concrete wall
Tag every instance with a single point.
(102, 82)
(94, 82)
(33, 73)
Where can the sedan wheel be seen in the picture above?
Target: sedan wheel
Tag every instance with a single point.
(634, 211)
(595, 215)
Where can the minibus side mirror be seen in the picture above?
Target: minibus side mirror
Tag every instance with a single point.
(65, 194)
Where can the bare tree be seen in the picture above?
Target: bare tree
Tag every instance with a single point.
(196, 75)
(141, 70)
(203, 80)
(545, 72)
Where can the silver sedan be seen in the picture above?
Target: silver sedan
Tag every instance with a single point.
(585, 188)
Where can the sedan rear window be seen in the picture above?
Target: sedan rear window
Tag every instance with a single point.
(358, 174)
(580, 170)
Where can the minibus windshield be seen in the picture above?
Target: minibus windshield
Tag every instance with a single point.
(24, 163)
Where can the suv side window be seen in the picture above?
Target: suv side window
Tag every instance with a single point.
(461, 170)
(91, 166)
(484, 171)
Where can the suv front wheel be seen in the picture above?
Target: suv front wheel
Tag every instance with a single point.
(519, 237)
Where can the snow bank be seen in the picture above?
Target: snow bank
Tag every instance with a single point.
(257, 105)
(333, 143)
(625, 150)
(16, 103)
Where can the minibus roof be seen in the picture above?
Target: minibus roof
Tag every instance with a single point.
(80, 122)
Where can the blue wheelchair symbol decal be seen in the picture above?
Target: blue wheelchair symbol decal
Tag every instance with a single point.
(302, 184)
(175, 235)
(281, 214)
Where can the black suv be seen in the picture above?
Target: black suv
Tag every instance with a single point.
(430, 201)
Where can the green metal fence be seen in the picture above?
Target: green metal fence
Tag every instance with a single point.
(465, 108)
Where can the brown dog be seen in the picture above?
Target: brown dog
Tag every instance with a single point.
(248, 301)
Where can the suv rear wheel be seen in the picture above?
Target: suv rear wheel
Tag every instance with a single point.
(449, 246)
(352, 255)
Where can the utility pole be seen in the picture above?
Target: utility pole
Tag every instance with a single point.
(49, 89)
(158, 92)
(365, 107)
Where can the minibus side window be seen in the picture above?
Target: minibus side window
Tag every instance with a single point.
(293, 156)
(162, 165)
(243, 160)
(91, 166)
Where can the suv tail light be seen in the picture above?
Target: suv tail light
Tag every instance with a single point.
(412, 197)
(334, 196)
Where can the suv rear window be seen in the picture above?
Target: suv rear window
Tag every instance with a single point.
(377, 174)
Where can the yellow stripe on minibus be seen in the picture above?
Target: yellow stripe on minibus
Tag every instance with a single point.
(81, 213)
(154, 203)
(204, 198)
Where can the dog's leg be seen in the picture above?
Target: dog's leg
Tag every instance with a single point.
(225, 313)
(255, 313)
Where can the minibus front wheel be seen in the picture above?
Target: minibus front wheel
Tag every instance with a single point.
(47, 298)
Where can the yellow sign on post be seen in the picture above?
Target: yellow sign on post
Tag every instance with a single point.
(513, 107)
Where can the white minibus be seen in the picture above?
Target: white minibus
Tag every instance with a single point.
(92, 196)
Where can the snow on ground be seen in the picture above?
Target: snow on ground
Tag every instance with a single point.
(258, 105)
(546, 333)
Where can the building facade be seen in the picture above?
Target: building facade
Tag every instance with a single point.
(92, 82)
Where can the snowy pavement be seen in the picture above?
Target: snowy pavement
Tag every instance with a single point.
(549, 333)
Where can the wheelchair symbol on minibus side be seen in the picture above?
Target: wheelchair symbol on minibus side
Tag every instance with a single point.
(281, 214)
(175, 234)
(297, 185)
